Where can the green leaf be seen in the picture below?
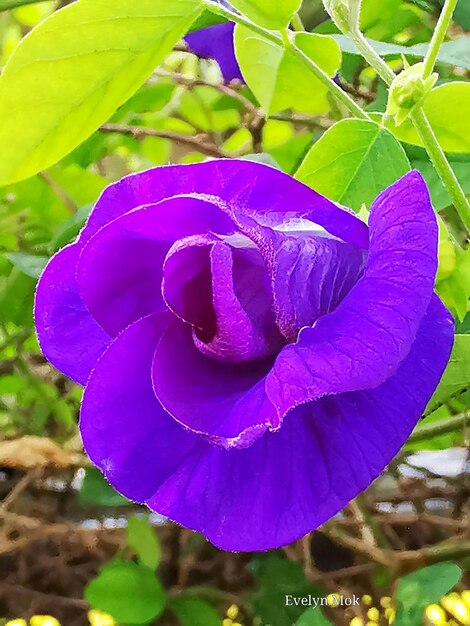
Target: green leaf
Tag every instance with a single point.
(129, 592)
(70, 228)
(97, 491)
(75, 69)
(426, 586)
(445, 107)
(194, 612)
(313, 617)
(455, 52)
(142, 539)
(353, 162)
(440, 196)
(457, 375)
(5, 5)
(271, 14)
(278, 79)
(454, 289)
(16, 298)
(278, 577)
(461, 13)
(30, 264)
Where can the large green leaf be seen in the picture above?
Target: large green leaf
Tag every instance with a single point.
(353, 162)
(447, 109)
(278, 79)
(421, 588)
(75, 69)
(457, 374)
(272, 14)
(142, 539)
(455, 52)
(129, 592)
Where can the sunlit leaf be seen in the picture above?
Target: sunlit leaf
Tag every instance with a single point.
(272, 14)
(353, 162)
(278, 79)
(75, 69)
(446, 108)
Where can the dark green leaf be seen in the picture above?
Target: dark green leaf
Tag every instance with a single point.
(29, 264)
(313, 617)
(97, 491)
(278, 577)
(194, 612)
(426, 586)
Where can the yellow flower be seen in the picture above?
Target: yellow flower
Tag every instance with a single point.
(98, 618)
(436, 614)
(232, 611)
(16, 622)
(44, 620)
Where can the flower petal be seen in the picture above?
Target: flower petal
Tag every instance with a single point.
(125, 431)
(254, 192)
(68, 335)
(216, 42)
(363, 341)
(224, 402)
(292, 481)
(120, 269)
(310, 276)
(222, 288)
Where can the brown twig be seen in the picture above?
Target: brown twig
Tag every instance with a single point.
(196, 142)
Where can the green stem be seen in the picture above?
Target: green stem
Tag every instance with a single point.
(370, 55)
(442, 427)
(6, 5)
(273, 37)
(442, 165)
(438, 36)
(297, 23)
(424, 130)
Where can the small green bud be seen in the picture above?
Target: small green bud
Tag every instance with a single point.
(338, 10)
(408, 90)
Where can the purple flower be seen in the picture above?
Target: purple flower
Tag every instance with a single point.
(253, 354)
(216, 42)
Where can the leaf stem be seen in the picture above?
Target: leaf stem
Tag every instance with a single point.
(6, 5)
(442, 165)
(297, 23)
(442, 427)
(322, 76)
(424, 130)
(438, 36)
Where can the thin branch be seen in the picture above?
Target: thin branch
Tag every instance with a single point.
(194, 141)
(227, 90)
(441, 427)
